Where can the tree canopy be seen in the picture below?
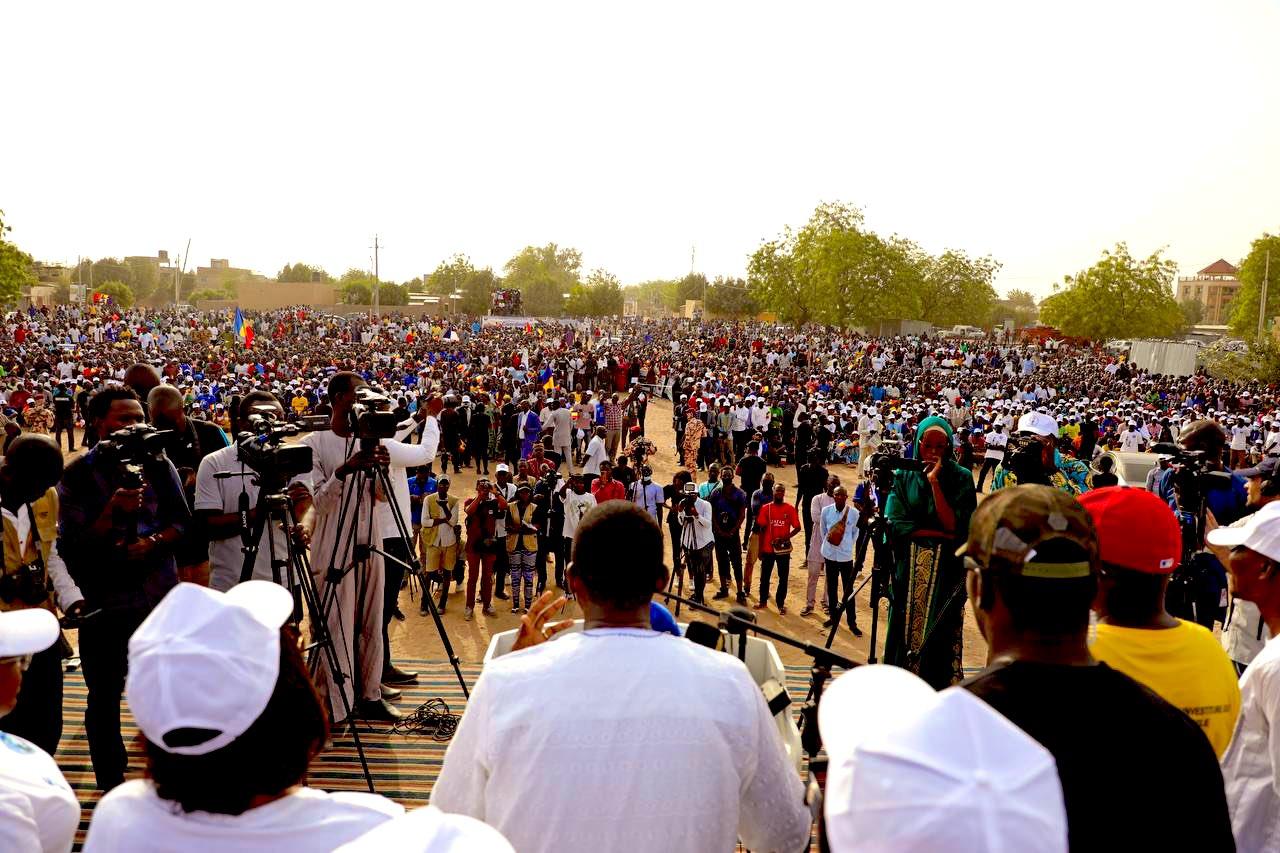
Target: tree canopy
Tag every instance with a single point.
(543, 274)
(835, 270)
(1118, 297)
(599, 296)
(15, 267)
(302, 272)
(729, 297)
(121, 294)
(1244, 307)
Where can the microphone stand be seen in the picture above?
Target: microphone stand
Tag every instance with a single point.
(810, 738)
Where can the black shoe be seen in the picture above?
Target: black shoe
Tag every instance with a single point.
(378, 710)
(742, 598)
(398, 614)
(502, 596)
(857, 632)
(724, 593)
(389, 693)
(828, 623)
(395, 675)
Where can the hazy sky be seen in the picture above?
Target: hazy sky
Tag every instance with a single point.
(270, 132)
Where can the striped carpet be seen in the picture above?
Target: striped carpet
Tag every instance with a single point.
(403, 768)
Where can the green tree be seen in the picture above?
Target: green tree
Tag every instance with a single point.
(599, 296)
(653, 298)
(729, 297)
(145, 280)
(543, 274)
(1192, 312)
(957, 290)
(450, 276)
(1260, 362)
(1244, 307)
(301, 272)
(121, 294)
(693, 286)
(16, 270)
(357, 293)
(209, 293)
(1118, 297)
(477, 291)
(393, 294)
(1017, 305)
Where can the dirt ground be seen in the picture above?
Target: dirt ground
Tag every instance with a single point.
(417, 637)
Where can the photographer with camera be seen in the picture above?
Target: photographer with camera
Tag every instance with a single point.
(121, 514)
(697, 540)
(1197, 486)
(224, 481)
(359, 440)
(1032, 457)
(441, 537)
(35, 578)
(483, 513)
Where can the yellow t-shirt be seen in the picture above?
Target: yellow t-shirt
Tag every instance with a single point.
(1184, 665)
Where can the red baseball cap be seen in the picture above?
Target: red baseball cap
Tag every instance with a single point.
(1136, 530)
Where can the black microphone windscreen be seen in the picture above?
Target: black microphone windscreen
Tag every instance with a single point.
(743, 613)
(705, 635)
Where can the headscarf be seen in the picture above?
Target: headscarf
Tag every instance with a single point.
(931, 422)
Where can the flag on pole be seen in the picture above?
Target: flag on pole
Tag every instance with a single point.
(238, 323)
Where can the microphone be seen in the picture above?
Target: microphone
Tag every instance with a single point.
(705, 634)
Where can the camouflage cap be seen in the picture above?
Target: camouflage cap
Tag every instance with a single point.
(1009, 525)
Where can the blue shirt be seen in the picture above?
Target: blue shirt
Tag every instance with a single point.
(842, 553)
(416, 489)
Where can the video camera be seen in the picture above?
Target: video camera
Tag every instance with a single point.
(1023, 455)
(1190, 479)
(261, 448)
(369, 420)
(887, 460)
(130, 449)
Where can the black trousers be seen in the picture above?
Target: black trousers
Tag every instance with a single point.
(699, 564)
(501, 568)
(802, 506)
(988, 465)
(59, 426)
(104, 655)
(550, 547)
(729, 555)
(837, 574)
(38, 714)
(767, 562)
(399, 549)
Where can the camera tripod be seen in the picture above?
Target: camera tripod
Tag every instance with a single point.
(293, 571)
(366, 482)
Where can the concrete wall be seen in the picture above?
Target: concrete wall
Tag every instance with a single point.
(339, 309)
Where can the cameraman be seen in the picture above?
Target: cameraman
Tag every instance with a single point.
(1032, 457)
(1198, 590)
(337, 455)
(697, 540)
(118, 541)
(35, 577)
(217, 501)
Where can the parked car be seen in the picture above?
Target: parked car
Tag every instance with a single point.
(1130, 468)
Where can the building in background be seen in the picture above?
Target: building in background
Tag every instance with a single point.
(1213, 287)
(220, 275)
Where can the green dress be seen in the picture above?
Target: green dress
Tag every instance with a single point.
(926, 596)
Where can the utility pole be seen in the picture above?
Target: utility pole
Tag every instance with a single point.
(376, 246)
(1262, 303)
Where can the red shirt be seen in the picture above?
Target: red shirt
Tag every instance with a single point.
(610, 491)
(776, 521)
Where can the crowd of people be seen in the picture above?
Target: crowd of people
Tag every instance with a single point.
(1095, 595)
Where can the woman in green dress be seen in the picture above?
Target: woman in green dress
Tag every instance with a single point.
(928, 519)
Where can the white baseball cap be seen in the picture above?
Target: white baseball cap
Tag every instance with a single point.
(25, 632)
(502, 468)
(895, 744)
(1039, 423)
(1261, 533)
(206, 660)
